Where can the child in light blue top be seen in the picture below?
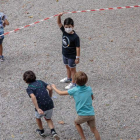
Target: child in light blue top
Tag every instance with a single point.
(83, 97)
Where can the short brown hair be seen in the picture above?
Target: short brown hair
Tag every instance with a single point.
(81, 78)
(29, 77)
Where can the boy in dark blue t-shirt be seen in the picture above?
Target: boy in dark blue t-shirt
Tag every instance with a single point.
(42, 102)
(70, 49)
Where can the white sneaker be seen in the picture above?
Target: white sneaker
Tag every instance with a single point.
(65, 80)
(70, 86)
(2, 58)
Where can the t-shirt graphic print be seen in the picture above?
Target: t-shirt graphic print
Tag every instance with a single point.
(66, 42)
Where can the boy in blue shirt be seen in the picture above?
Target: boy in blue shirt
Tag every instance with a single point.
(83, 97)
(70, 49)
(3, 23)
(42, 102)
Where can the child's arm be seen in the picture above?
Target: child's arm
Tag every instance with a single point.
(50, 90)
(77, 55)
(59, 91)
(36, 104)
(6, 22)
(59, 20)
(92, 97)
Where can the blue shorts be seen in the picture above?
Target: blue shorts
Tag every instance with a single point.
(1, 40)
(68, 61)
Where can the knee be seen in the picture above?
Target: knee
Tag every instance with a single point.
(93, 129)
(75, 123)
(38, 119)
(47, 119)
(73, 69)
(67, 67)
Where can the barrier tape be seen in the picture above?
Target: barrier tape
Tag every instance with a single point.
(114, 8)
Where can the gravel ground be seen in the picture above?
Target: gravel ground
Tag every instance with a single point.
(110, 51)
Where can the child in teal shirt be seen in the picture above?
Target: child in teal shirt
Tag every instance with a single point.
(83, 97)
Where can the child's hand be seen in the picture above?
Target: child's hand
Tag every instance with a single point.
(53, 86)
(60, 14)
(4, 24)
(77, 61)
(40, 111)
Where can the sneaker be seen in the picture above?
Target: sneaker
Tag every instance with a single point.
(71, 85)
(65, 80)
(2, 58)
(55, 136)
(40, 132)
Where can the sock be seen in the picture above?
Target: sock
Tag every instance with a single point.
(74, 84)
(53, 131)
(42, 131)
(69, 79)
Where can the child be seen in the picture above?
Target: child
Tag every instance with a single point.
(70, 49)
(83, 97)
(42, 102)
(3, 23)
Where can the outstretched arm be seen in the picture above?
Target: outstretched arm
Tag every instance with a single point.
(59, 20)
(59, 91)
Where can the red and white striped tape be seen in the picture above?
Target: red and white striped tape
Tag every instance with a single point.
(114, 8)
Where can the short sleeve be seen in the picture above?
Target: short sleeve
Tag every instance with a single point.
(91, 90)
(29, 92)
(77, 42)
(3, 16)
(44, 84)
(71, 91)
(62, 29)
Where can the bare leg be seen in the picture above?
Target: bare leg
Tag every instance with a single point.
(39, 122)
(50, 123)
(73, 71)
(96, 133)
(51, 126)
(1, 49)
(68, 72)
(80, 131)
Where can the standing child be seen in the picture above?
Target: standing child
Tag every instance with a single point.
(42, 102)
(83, 97)
(3, 23)
(70, 49)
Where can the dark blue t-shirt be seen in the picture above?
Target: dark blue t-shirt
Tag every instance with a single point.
(38, 88)
(69, 44)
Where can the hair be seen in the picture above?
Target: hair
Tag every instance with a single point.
(69, 21)
(80, 78)
(29, 77)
